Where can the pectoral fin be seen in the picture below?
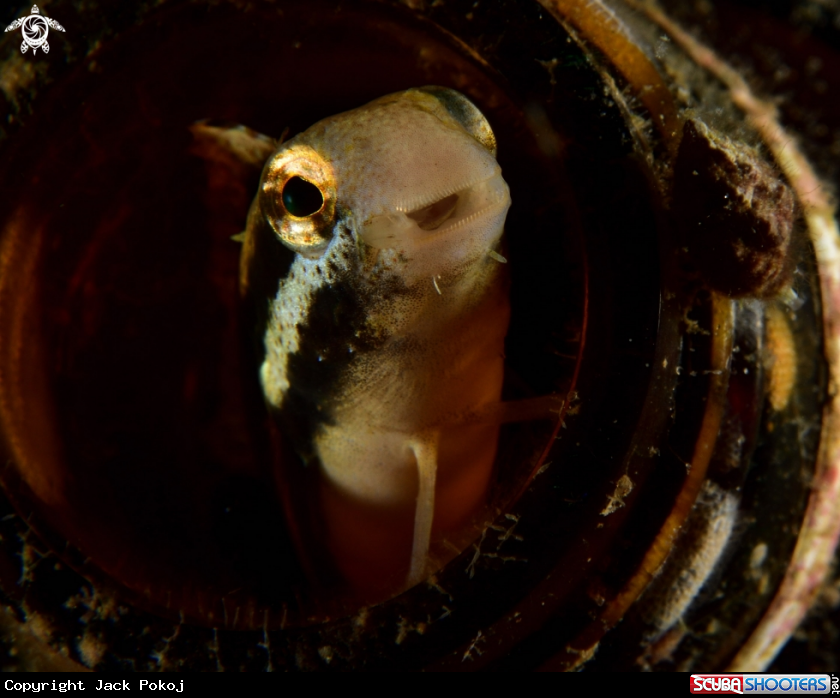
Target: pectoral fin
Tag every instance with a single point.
(425, 449)
(238, 149)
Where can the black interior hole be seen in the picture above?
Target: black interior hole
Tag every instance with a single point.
(302, 198)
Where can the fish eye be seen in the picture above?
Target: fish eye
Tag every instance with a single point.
(302, 198)
(299, 211)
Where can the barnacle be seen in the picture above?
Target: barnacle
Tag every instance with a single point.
(697, 407)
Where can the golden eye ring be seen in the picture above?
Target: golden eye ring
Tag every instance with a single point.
(309, 233)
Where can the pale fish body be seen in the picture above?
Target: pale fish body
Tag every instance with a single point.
(374, 244)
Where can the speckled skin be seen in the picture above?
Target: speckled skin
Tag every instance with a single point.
(382, 337)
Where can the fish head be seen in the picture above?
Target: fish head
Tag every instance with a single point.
(413, 174)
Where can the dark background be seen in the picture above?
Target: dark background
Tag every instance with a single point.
(787, 49)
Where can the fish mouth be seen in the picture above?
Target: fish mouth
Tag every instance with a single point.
(439, 213)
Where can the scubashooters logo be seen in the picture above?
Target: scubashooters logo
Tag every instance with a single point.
(35, 28)
(740, 684)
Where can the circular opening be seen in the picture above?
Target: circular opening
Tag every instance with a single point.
(137, 428)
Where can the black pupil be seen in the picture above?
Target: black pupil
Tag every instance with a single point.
(302, 198)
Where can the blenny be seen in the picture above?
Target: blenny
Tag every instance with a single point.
(372, 251)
